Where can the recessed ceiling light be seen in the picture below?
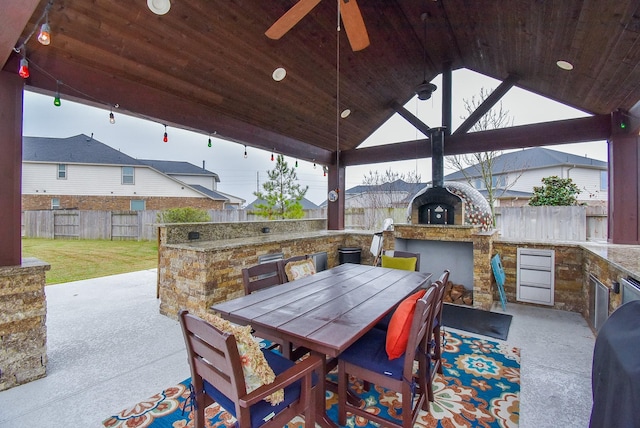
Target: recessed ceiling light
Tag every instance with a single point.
(565, 65)
(279, 74)
(159, 7)
(345, 113)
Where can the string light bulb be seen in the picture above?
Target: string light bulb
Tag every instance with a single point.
(272, 158)
(166, 136)
(56, 99)
(23, 70)
(112, 118)
(209, 144)
(45, 33)
(314, 165)
(245, 151)
(296, 163)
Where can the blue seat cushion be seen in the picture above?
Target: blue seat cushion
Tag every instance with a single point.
(263, 410)
(370, 353)
(383, 324)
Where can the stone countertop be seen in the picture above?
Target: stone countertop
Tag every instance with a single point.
(28, 264)
(623, 257)
(261, 239)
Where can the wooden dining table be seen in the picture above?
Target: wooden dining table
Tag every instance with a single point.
(325, 312)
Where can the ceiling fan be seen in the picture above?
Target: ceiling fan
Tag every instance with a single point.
(349, 11)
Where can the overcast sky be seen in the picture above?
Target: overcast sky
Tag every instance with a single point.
(142, 139)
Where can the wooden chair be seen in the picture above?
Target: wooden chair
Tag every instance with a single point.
(367, 360)
(261, 276)
(436, 349)
(404, 255)
(216, 375)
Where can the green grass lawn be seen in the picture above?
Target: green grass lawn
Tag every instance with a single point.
(73, 260)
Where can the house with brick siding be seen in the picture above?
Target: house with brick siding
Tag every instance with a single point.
(82, 173)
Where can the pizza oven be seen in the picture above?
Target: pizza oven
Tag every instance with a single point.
(449, 203)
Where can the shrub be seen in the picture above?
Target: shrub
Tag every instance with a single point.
(555, 191)
(183, 215)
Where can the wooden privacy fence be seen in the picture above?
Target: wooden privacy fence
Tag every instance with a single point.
(115, 225)
(577, 223)
(76, 224)
(571, 223)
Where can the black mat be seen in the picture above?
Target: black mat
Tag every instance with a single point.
(492, 324)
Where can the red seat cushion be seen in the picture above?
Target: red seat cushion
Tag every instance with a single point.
(400, 325)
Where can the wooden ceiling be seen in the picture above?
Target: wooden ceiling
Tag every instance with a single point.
(206, 65)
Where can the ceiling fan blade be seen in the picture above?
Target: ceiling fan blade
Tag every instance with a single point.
(354, 24)
(290, 18)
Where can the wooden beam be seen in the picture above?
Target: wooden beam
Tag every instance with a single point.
(13, 20)
(420, 125)
(579, 130)
(447, 85)
(10, 168)
(335, 210)
(624, 189)
(487, 104)
(156, 105)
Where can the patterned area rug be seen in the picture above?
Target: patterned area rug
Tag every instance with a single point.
(480, 388)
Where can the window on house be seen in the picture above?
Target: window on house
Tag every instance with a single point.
(138, 205)
(62, 171)
(479, 184)
(604, 180)
(55, 203)
(127, 175)
(499, 181)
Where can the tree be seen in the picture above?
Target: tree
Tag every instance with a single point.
(183, 215)
(555, 191)
(385, 192)
(481, 166)
(282, 194)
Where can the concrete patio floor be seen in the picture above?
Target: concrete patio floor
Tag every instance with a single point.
(109, 348)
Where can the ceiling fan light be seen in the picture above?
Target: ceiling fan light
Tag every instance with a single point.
(345, 113)
(425, 89)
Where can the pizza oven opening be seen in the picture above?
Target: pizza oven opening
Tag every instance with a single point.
(439, 206)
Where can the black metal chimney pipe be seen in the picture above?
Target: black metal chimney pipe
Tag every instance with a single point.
(437, 156)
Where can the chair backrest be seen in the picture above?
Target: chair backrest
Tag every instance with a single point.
(444, 278)
(282, 265)
(261, 276)
(213, 356)
(421, 327)
(407, 254)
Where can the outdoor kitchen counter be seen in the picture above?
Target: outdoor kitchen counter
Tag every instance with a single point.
(626, 258)
(225, 244)
(196, 274)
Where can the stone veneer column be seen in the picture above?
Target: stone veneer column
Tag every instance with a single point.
(23, 332)
(482, 273)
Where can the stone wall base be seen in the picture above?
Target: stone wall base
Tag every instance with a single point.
(23, 332)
